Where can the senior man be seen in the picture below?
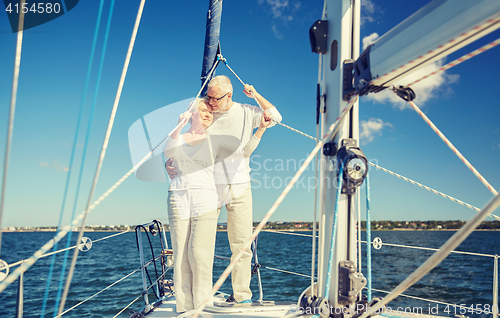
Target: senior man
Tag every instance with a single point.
(236, 122)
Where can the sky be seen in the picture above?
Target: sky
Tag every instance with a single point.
(266, 43)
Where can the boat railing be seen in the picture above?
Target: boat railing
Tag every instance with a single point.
(157, 284)
(377, 244)
(155, 228)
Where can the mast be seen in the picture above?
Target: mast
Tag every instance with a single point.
(343, 18)
(414, 43)
(212, 46)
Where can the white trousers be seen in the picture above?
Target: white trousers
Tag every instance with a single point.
(193, 243)
(238, 200)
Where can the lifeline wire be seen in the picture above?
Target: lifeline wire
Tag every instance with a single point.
(453, 148)
(13, 98)
(430, 189)
(30, 261)
(70, 168)
(438, 256)
(102, 290)
(332, 132)
(69, 248)
(103, 152)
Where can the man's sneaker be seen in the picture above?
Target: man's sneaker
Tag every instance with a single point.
(246, 301)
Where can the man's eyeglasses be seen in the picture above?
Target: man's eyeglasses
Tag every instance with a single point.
(215, 99)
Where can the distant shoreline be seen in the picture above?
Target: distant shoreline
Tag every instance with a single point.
(265, 230)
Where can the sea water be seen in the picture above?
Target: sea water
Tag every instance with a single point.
(459, 280)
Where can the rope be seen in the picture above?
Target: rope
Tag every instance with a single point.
(12, 110)
(279, 123)
(430, 189)
(461, 59)
(453, 148)
(69, 248)
(313, 256)
(295, 130)
(438, 256)
(137, 298)
(289, 233)
(331, 134)
(463, 37)
(267, 267)
(369, 239)
(316, 169)
(125, 308)
(435, 249)
(334, 234)
(106, 139)
(102, 290)
(72, 157)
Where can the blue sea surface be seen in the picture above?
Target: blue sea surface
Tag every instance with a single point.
(460, 279)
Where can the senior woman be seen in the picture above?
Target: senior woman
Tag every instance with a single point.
(193, 202)
(192, 207)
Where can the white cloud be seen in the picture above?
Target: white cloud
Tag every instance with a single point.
(283, 11)
(368, 10)
(277, 33)
(424, 90)
(371, 129)
(367, 40)
(55, 165)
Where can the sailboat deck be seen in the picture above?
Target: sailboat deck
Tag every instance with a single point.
(224, 309)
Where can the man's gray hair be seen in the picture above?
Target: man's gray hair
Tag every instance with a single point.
(223, 82)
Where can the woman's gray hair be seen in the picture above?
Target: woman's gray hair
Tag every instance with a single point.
(196, 106)
(223, 82)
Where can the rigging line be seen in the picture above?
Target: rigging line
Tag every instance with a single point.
(316, 169)
(65, 249)
(102, 290)
(279, 123)
(463, 39)
(287, 272)
(334, 233)
(453, 148)
(121, 279)
(461, 59)
(368, 238)
(333, 130)
(435, 249)
(26, 265)
(295, 130)
(72, 157)
(12, 110)
(125, 308)
(103, 151)
(289, 233)
(267, 267)
(438, 256)
(431, 190)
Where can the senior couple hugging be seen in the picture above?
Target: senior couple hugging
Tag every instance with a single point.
(209, 168)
